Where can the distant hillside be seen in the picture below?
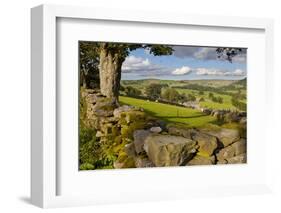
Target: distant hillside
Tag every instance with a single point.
(176, 83)
(242, 84)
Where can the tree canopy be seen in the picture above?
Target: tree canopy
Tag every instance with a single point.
(228, 53)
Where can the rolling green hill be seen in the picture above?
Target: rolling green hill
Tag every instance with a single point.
(170, 113)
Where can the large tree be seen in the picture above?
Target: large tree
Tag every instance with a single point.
(112, 56)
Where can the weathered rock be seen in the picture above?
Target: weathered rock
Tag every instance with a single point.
(118, 111)
(155, 129)
(103, 109)
(231, 117)
(124, 161)
(201, 160)
(105, 120)
(229, 153)
(207, 143)
(142, 162)
(226, 153)
(130, 149)
(243, 120)
(226, 136)
(139, 138)
(108, 128)
(242, 158)
(131, 116)
(184, 132)
(168, 150)
(99, 134)
(240, 146)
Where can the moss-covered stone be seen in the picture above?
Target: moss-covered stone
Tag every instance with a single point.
(124, 161)
(86, 166)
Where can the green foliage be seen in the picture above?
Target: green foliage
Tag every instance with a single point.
(217, 99)
(201, 99)
(228, 53)
(88, 146)
(240, 105)
(159, 50)
(191, 97)
(88, 62)
(94, 154)
(153, 91)
(170, 94)
(86, 166)
(211, 95)
(86, 135)
(132, 91)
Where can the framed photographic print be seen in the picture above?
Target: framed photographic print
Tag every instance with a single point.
(137, 106)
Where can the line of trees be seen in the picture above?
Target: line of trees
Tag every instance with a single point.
(239, 105)
(216, 99)
(156, 91)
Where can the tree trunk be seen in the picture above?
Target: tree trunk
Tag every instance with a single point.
(110, 73)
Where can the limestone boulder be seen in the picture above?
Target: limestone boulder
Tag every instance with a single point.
(229, 154)
(130, 149)
(242, 158)
(139, 138)
(207, 143)
(168, 150)
(143, 162)
(201, 160)
(178, 131)
(103, 108)
(225, 153)
(240, 146)
(225, 136)
(118, 111)
(156, 129)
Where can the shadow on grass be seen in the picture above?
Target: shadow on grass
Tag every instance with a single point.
(194, 116)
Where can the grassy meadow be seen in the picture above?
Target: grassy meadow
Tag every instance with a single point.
(211, 94)
(170, 113)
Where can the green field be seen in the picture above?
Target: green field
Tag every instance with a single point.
(225, 89)
(208, 103)
(170, 113)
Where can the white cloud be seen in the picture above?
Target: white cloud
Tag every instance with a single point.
(218, 72)
(144, 66)
(182, 71)
(238, 72)
(133, 63)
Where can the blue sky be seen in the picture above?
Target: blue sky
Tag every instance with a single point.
(186, 63)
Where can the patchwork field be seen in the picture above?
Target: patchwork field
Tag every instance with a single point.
(170, 113)
(204, 92)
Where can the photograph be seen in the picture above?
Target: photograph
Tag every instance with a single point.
(161, 105)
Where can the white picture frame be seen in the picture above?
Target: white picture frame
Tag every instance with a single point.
(44, 154)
